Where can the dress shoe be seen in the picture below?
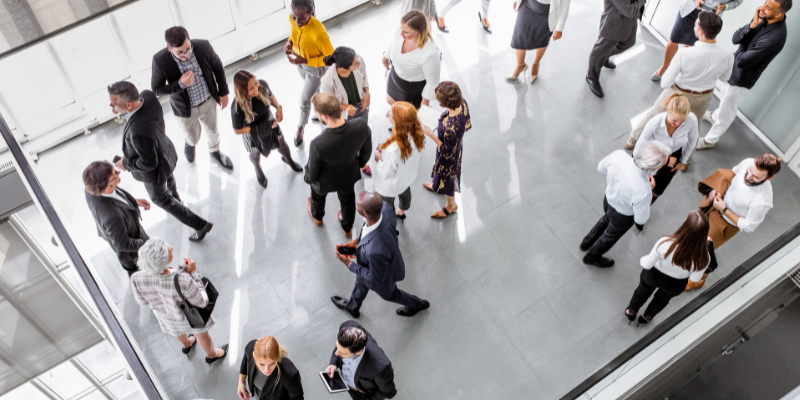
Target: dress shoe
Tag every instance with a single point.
(346, 234)
(261, 178)
(314, 117)
(408, 312)
(601, 262)
(341, 303)
(198, 235)
(583, 247)
(486, 28)
(298, 137)
(702, 144)
(188, 151)
(222, 160)
(441, 28)
(308, 208)
(629, 144)
(595, 87)
(610, 64)
(225, 353)
(295, 166)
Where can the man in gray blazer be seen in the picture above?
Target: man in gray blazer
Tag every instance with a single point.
(617, 34)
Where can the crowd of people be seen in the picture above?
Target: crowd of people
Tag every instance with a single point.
(336, 92)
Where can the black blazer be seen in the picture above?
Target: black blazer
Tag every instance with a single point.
(288, 387)
(378, 258)
(166, 75)
(336, 156)
(757, 48)
(119, 225)
(149, 154)
(374, 374)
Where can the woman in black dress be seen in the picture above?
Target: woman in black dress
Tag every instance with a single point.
(537, 20)
(252, 118)
(267, 374)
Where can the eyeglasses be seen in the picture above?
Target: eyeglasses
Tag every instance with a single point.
(182, 53)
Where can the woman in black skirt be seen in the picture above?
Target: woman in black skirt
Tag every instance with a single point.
(683, 30)
(252, 118)
(537, 21)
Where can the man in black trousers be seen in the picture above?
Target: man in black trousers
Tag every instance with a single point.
(193, 76)
(379, 263)
(115, 212)
(335, 159)
(365, 368)
(149, 155)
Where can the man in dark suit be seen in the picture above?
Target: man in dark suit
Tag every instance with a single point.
(191, 73)
(335, 160)
(115, 212)
(365, 367)
(379, 263)
(149, 155)
(617, 34)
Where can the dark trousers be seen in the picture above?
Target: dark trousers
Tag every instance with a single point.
(664, 176)
(606, 232)
(394, 295)
(128, 261)
(666, 287)
(165, 195)
(405, 199)
(347, 202)
(356, 395)
(605, 48)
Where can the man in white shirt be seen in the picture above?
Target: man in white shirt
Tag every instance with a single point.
(627, 201)
(693, 72)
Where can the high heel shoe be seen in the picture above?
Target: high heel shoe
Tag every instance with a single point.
(630, 317)
(514, 78)
(642, 320)
(441, 28)
(486, 28)
(533, 77)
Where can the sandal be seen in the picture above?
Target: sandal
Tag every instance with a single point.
(186, 350)
(224, 349)
(446, 213)
(428, 186)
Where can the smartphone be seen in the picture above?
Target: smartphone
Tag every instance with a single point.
(346, 250)
(115, 159)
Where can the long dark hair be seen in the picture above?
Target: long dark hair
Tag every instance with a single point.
(343, 57)
(689, 243)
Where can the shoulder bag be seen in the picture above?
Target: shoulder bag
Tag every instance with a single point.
(197, 317)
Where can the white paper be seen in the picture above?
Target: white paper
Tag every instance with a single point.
(428, 116)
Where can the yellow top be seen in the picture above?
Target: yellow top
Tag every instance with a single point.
(311, 41)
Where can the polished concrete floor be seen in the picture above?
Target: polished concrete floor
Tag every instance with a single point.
(515, 314)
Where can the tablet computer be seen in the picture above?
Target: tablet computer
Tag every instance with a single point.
(335, 384)
(428, 116)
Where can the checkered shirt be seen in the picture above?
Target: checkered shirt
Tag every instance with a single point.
(198, 91)
(158, 292)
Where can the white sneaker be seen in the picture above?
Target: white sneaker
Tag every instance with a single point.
(708, 116)
(702, 144)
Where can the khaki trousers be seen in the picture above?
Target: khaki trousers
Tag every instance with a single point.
(207, 114)
(719, 230)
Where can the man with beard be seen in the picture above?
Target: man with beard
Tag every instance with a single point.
(737, 199)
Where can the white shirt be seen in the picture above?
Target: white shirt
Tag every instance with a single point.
(395, 175)
(349, 368)
(685, 136)
(628, 188)
(656, 259)
(116, 196)
(367, 229)
(697, 68)
(750, 203)
(417, 65)
(688, 6)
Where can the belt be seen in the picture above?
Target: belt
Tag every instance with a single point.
(693, 91)
(204, 102)
(352, 388)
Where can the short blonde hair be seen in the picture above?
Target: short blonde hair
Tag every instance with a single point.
(678, 103)
(327, 104)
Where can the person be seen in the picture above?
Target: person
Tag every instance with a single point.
(693, 72)
(737, 199)
(677, 128)
(191, 73)
(307, 46)
(335, 160)
(415, 62)
(446, 174)
(252, 118)
(537, 21)
(116, 213)
(364, 366)
(674, 261)
(683, 29)
(627, 198)
(617, 34)
(428, 10)
(378, 262)
(268, 372)
(759, 43)
(483, 15)
(154, 286)
(398, 157)
(149, 155)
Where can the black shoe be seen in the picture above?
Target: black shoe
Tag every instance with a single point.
(314, 117)
(642, 320)
(189, 152)
(224, 348)
(486, 28)
(222, 160)
(441, 28)
(186, 350)
(601, 262)
(595, 87)
(200, 234)
(581, 247)
(630, 317)
(610, 64)
(407, 312)
(295, 166)
(401, 217)
(341, 303)
(261, 178)
(298, 137)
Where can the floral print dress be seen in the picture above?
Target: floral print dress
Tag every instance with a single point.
(447, 168)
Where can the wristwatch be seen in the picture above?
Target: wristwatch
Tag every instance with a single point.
(726, 209)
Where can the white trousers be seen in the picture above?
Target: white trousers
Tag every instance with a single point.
(443, 11)
(724, 116)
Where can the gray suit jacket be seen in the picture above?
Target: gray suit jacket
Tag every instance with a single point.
(619, 18)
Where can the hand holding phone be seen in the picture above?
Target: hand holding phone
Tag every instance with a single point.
(347, 251)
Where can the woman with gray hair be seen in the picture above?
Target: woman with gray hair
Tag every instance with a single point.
(629, 191)
(154, 286)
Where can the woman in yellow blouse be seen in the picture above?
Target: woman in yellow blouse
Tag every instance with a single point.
(308, 44)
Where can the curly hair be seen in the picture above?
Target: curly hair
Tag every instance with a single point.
(406, 123)
(448, 94)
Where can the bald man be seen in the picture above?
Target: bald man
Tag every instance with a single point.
(378, 263)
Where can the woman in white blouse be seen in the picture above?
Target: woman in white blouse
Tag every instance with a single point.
(414, 62)
(398, 157)
(537, 21)
(348, 82)
(674, 261)
(677, 128)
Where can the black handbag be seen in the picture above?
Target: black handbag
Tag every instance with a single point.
(198, 317)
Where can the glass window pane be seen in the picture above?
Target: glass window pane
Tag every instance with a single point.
(255, 9)
(91, 57)
(124, 389)
(142, 25)
(34, 72)
(65, 380)
(206, 19)
(94, 395)
(41, 230)
(24, 392)
(102, 361)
